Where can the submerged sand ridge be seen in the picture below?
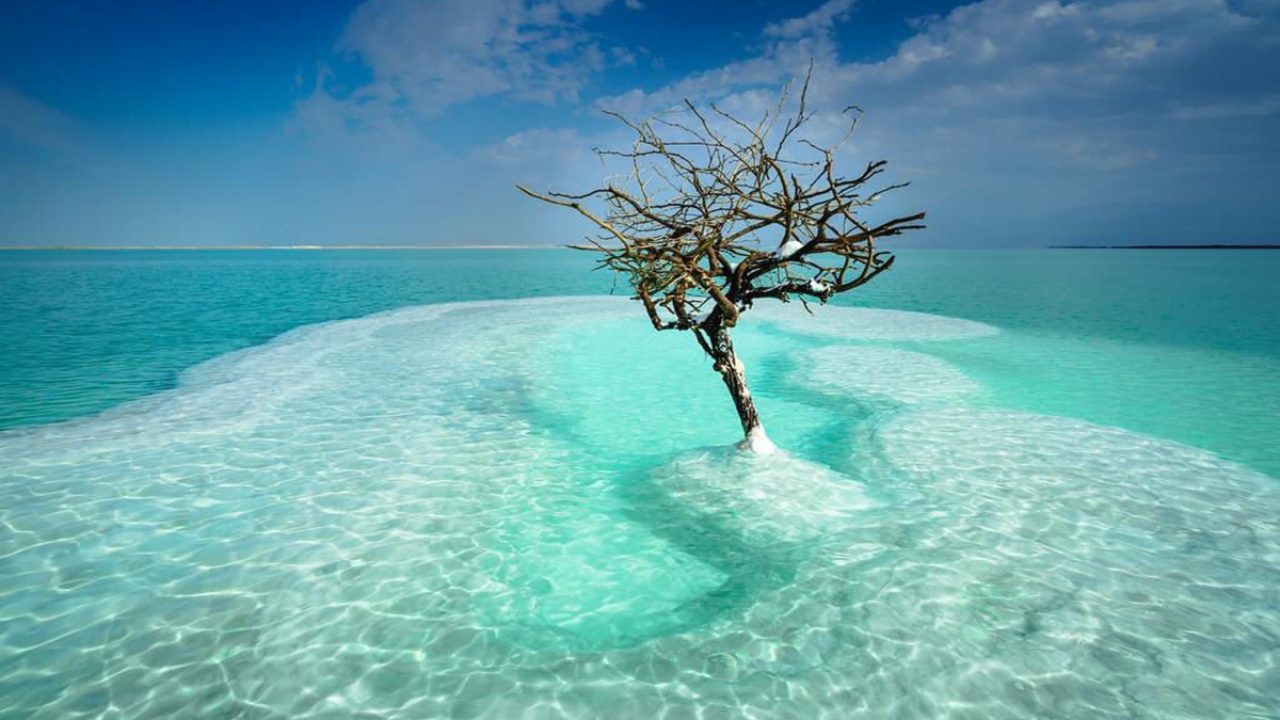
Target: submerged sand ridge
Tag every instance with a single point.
(460, 511)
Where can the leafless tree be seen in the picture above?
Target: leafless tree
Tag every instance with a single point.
(716, 213)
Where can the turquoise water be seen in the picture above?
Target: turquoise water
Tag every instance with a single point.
(1183, 345)
(1049, 491)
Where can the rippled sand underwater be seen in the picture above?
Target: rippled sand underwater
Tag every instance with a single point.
(527, 509)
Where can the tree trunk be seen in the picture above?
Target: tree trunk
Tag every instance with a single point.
(734, 376)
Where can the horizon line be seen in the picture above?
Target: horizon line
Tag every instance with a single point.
(539, 246)
(548, 246)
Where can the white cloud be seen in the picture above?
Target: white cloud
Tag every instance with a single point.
(1038, 100)
(1058, 118)
(818, 21)
(426, 57)
(997, 49)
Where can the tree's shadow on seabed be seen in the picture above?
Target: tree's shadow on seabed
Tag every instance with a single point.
(750, 565)
(722, 507)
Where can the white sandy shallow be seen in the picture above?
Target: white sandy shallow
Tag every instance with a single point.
(390, 517)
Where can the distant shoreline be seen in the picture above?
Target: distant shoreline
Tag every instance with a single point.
(1164, 247)
(283, 247)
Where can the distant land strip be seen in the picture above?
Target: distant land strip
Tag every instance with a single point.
(282, 247)
(1164, 247)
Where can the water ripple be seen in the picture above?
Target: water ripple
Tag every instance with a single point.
(383, 518)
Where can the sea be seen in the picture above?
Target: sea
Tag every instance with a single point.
(477, 484)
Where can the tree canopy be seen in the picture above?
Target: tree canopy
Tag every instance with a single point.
(715, 213)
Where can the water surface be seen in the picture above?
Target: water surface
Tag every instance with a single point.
(1038, 497)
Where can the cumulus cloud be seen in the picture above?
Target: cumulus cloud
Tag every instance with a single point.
(1088, 101)
(422, 58)
(1095, 54)
(1070, 119)
(790, 47)
(818, 21)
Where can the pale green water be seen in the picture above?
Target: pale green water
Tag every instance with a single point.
(515, 509)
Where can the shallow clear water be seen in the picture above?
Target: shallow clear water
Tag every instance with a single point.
(502, 509)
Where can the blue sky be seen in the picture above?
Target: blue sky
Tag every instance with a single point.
(1019, 123)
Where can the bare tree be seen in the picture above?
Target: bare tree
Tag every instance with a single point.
(705, 195)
